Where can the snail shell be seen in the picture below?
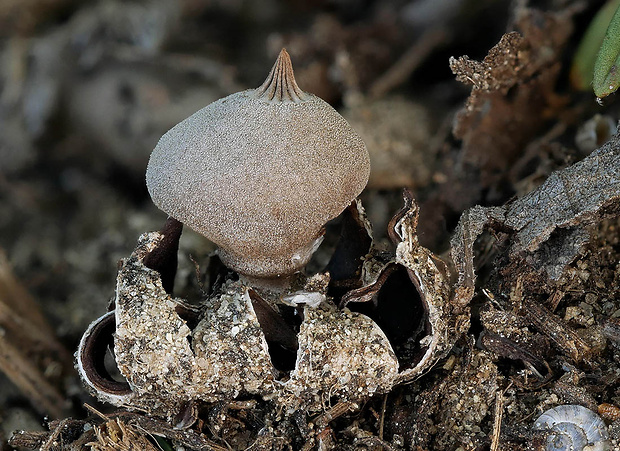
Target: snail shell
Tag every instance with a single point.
(573, 428)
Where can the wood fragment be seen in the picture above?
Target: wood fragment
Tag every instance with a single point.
(52, 441)
(382, 420)
(555, 299)
(28, 439)
(189, 438)
(507, 348)
(497, 420)
(554, 327)
(335, 412)
(115, 435)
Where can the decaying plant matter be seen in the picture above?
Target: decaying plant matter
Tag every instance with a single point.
(534, 263)
(236, 343)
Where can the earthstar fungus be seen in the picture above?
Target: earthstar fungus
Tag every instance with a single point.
(259, 173)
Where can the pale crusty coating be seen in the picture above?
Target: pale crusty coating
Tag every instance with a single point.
(260, 172)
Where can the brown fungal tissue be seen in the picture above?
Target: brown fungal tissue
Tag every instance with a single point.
(259, 173)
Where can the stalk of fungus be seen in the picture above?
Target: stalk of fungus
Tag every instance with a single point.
(259, 173)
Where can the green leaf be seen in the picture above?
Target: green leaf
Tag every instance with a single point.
(582, 69)
(163, 443)
(607, 66)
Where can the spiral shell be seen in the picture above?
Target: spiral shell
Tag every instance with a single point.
(573, 428)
